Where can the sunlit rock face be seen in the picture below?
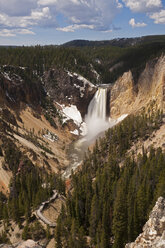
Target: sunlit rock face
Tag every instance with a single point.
(153, 235)
(122, 95)
(149, 90)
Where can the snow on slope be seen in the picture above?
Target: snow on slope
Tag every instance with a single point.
(72, 113)
(82, 79)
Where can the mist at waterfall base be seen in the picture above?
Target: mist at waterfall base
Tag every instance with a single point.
(96, 120)
(96, 123)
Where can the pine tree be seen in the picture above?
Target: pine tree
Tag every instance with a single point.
(120, 216)
(94, 217)
(58, 234)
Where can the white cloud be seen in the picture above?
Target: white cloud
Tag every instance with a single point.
(98, 13)
(87, 14)
(47, 2)
(78, 14)
(143, 5)
(39, 14)
(14, 32)
(72, 28)
(159, 17)
(35, 18)
(136, 25)
(119, 5)
(6, 33)
(108, 31)
(23, 31)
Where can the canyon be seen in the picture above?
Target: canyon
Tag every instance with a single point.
(53, 121)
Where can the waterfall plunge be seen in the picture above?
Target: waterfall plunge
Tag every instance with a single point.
(97, 107)
(96, 119)
(96, 123)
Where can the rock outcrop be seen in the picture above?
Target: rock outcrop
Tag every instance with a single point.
(153, 235)
(69, 88)
(25, 244)
(128, 96)
(122, 95)
(19, 85)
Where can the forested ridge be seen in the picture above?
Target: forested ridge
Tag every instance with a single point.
(110, 201)
(108, 61)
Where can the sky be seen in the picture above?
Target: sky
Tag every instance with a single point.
(45, 22)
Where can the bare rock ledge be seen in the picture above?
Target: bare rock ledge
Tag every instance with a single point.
(153, 235)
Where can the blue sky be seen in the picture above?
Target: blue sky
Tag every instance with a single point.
(31, 22)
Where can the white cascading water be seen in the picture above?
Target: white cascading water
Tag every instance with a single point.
(96, 119)
(96, 123)
(97, 106)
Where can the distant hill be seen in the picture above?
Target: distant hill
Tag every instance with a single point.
(119, 42)
(3, 46)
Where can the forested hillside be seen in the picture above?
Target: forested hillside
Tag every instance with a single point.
(108, 61)
(114, 192)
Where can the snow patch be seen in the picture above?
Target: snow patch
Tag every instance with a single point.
(51, 136)
(98, 61)
(71, 112)
(82, 89)
(75, 132)
(83, 129)
(70, 74)
(84, 80)
(6, 75)
(95, 72)
(10, 98)
(21, 67)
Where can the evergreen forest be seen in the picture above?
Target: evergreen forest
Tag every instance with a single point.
(110, 61)
(114, 192)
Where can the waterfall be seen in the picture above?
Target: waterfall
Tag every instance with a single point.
(96, 119)
(97, 106)
(96, 122)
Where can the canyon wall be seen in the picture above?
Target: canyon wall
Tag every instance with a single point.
(127, 97)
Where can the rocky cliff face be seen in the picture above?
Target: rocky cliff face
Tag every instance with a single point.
(122, 95)
(67, 88)
(153, 235)
(19, 85)
(25, 244)
(128, 97)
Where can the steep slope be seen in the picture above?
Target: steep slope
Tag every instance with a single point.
(69, 88)
(32, 115)
(19, 85)
(116, 187)
(149, 92)
(154, 230)
(104, 202)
